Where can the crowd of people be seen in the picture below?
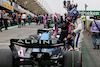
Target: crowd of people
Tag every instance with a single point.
(78, 25)
(74, 25)
(12, 19)
(69, 6)
(20, 19)
(43, 19)
(71, 24)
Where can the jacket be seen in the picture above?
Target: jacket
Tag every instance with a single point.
(79, 26)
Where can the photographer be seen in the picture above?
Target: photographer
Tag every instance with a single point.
(95, 32)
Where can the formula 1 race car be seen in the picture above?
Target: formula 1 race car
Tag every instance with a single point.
(44, 51)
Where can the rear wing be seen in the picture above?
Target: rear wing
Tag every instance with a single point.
(32, 43)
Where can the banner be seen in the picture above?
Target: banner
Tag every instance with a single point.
(90, 13)
(7, 6)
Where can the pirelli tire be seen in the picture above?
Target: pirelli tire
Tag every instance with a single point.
(72, 59)
(6, 58)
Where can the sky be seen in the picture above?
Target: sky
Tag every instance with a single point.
(57, 5)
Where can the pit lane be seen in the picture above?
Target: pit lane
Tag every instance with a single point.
(91, 57)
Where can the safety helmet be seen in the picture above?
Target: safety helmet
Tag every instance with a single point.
(74, 13)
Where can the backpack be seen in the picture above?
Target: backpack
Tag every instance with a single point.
(22, 21)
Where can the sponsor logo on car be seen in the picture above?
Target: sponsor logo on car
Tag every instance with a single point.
(37, 41)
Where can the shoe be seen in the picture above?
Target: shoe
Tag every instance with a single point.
(97, 46)
(1, 30)
(94, 48)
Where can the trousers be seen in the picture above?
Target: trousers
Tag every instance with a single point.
(78, 41)
(96, 39)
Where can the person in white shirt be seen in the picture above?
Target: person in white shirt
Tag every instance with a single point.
(79, 28)
(24, 16)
